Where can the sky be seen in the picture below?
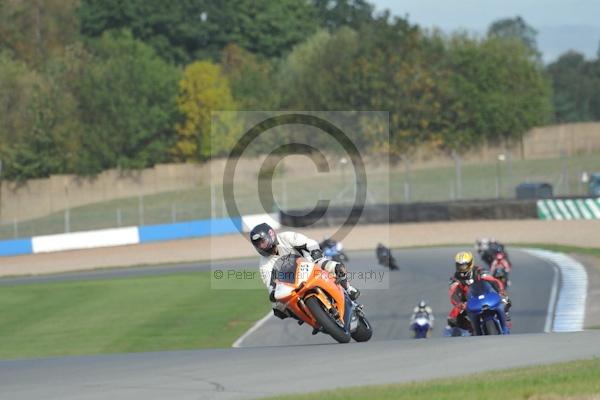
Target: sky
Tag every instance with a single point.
(562, 25)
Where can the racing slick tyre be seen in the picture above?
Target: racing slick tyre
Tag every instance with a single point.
(326, 321)
(490, 328)
(364, 331)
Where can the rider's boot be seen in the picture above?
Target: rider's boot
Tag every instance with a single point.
(353, 292)
(340, 273)
(507, 313)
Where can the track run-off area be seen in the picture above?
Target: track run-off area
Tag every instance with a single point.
(282, 357)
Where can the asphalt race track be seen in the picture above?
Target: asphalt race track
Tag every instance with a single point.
(282, 357)
(423, 274)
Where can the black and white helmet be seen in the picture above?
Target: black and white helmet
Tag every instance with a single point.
(264, 239)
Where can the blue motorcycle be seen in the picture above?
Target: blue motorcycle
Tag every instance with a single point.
(421, 325)
(486, 310)
(334, 251)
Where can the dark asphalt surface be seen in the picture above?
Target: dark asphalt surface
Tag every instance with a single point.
(296, 361)
(260, 371)
(423, 274)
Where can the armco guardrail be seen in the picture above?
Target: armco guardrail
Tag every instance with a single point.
(132, 235)
(420, 212)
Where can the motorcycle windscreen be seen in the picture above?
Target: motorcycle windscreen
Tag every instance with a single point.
(482, 296)
(285, 268)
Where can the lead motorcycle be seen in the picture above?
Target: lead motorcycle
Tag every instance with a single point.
(485, 308)
(314, 296)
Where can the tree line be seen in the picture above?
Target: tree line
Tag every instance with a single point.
(89, 85)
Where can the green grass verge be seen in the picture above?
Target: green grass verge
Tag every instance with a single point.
(151, 313)
(555, 381)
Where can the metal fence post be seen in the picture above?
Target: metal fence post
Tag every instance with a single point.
(141, 209)
(0, 190)
(458, 168)
(212, 201)
(407, 179)
(67, 211)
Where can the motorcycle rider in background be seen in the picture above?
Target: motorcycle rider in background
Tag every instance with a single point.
(466, 273)
(422, 307)
(271, 246)
(327, 242)
(488, 248)
(501, 263)
(384, 257)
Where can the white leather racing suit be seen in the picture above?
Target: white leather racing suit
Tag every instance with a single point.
(290, 243)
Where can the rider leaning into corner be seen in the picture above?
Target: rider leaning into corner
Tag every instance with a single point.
(271, 246)
(465, 275)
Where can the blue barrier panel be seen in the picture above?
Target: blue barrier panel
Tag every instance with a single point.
(16, 247)
(182, 230)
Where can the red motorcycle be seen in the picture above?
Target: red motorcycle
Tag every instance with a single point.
(501, 268)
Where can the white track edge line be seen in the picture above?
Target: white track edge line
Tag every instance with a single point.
(253, 328)
(553, 299)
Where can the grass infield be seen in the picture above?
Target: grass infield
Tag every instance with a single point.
(574, 380)
(139, 314)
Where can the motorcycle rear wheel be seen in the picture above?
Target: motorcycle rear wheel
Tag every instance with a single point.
(326, 321)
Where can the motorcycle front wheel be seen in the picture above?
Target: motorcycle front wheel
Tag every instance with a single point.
(326, 321)
(491, 328)
(364, 331)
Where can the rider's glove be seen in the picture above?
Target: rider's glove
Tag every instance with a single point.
(340, 271)
(316, 254)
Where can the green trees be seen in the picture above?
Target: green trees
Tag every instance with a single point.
(203, 89)
(448, 92)
(515, 28)
(138, 86)
(576, 88)
(499, 92)
(126, 97)
(184, 31)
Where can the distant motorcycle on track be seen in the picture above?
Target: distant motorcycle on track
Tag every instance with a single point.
(334, 251)
(421, 325)
(385, 258)
(501, 268)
